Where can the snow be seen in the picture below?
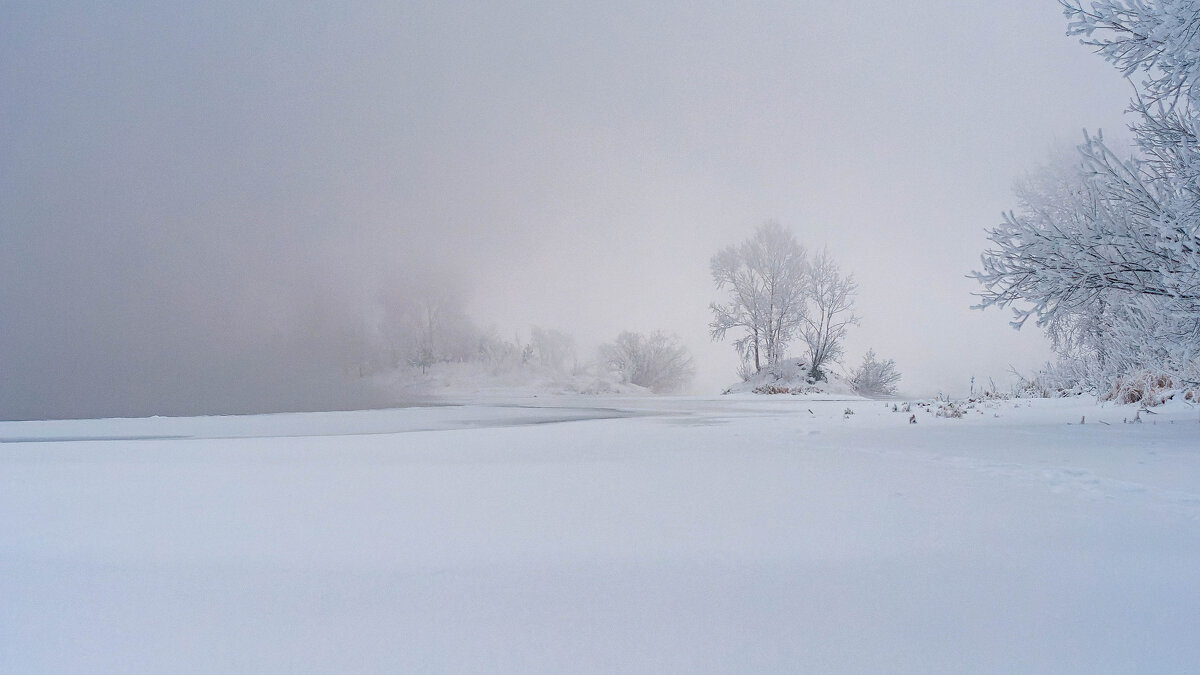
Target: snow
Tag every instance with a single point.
(636, 534)
(789, 377)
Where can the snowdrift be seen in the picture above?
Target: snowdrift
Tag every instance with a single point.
(790, 377)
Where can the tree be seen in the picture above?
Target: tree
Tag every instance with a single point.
(1108, 257)
(830, 314)
(419, 321)
(658, 362)
(765, 277)
(551, 348)
(875, 377)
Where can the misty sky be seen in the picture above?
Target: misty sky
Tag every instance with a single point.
(196, 199)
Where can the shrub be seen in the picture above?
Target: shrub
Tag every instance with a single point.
(657, 361)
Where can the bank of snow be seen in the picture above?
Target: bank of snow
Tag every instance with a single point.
(791, 377)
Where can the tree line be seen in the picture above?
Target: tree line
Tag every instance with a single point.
(422, 327)
(775, 296)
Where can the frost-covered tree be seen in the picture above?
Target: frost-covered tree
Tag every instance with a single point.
(766, 280)
(657, 361)
(776, 295)
(551, 348)
(497, 354)
(875, 377)
(830, 313)
(418, 323)
(1108, 258)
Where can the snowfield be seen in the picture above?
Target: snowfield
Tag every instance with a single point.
(740, 534)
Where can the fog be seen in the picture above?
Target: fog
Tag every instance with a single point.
(201, 205)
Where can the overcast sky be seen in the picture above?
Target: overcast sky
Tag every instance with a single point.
(194, 197)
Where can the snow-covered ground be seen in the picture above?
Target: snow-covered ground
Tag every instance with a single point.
(791, 376)
(734, 534)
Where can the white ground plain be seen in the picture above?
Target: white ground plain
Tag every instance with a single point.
(733, 534)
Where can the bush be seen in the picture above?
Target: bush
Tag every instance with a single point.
(657, 362)
(875, 377)
(1145, 387)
